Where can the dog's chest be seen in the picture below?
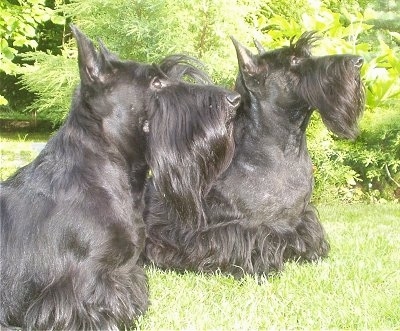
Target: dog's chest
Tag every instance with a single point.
(265, 191)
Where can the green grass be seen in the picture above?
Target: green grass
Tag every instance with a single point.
(16, 150)
(356, 288)
(8, 114)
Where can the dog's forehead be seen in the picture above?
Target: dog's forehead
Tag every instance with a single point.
(134, 72)
(139, 69)
(282, 56)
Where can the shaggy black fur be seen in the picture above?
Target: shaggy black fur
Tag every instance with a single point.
(71, 221)
(258, 213)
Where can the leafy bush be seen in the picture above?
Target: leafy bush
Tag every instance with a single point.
(18, 30)
(58, 77)
(375, 155)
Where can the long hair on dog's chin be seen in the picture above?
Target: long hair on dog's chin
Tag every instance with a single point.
(332, 84)
(339, 98)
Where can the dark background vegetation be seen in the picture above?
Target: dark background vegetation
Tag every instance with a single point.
(38, 70)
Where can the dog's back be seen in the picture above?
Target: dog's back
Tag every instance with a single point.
(59, 213)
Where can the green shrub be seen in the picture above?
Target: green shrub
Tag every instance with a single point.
(58, 77)
(375, 155)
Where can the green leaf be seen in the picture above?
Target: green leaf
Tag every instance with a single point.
(19, 41)
(8, 52)
(32, 43)
(57, 19)
(3, 101)
(395, 35)
(29, 31)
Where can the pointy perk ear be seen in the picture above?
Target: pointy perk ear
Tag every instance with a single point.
(260, 48)
(92, 65)
(106, 55)
(248, 62)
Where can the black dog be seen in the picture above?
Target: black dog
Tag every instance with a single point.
(258, 213)
(71, 221)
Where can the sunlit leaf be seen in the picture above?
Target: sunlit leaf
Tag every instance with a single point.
(57, 19)
(3, 101)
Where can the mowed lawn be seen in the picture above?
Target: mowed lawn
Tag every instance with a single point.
(356, 288)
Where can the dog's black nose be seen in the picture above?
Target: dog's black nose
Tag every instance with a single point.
(233, 98)
(358, 61)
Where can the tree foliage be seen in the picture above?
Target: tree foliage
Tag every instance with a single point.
(19, 22)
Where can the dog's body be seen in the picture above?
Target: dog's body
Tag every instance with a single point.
(70, 234)
(71, 221)
(258, 213)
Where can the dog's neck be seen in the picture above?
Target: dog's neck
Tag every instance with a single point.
(267, 124)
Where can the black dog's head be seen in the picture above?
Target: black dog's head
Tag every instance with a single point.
(117, 93)
(291, 80)
(190, 141)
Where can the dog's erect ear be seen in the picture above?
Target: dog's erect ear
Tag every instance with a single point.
(248, 62)
(260, 48)
(105, 54)
(93, 65)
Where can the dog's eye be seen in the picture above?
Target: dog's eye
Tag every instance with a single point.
(156, 83)
(294, 61)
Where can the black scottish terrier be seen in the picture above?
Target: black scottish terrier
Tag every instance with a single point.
(71, 221)
(258, 213)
